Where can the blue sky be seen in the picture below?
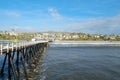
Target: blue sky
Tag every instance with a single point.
(91, 16)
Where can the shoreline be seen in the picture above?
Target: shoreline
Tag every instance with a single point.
(86, 42)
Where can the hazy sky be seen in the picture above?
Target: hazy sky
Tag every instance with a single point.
(91, 16)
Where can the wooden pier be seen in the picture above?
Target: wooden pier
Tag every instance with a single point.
(20, 53)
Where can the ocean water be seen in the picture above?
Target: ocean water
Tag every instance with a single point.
(82, 63)
(68, 62)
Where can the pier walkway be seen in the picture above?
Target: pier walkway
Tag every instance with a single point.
(20, 53)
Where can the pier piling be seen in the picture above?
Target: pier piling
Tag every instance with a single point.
(16, 53)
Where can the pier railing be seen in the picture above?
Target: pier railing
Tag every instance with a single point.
(20, 52)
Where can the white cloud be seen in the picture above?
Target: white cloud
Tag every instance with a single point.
(13, 14)
(98, 25)
(10, 13)
(53, 12)
(25, 29)
(18, 28)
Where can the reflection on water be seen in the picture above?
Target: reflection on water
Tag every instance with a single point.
(36, 69)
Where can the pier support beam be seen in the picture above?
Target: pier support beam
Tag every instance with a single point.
(25, 54)
(2, 70)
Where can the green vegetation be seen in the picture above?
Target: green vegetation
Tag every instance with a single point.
(22, 36)
(66, 36)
